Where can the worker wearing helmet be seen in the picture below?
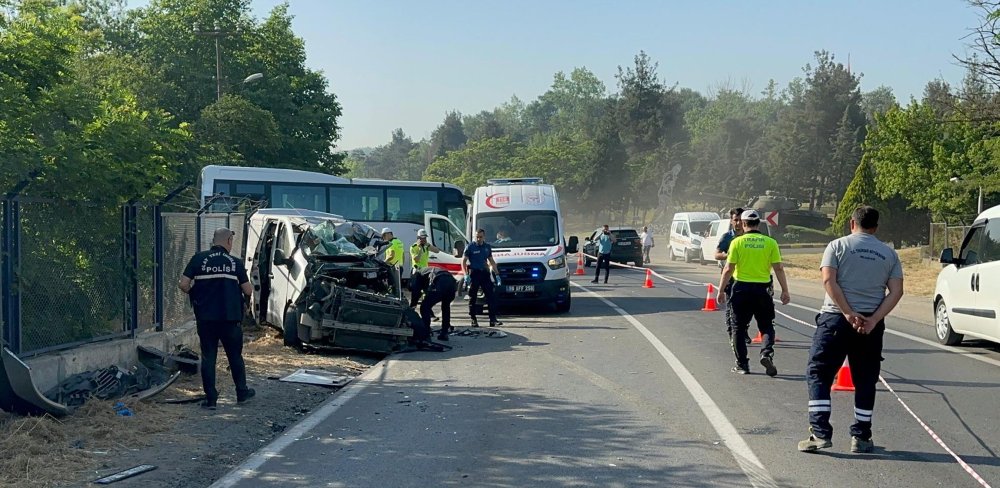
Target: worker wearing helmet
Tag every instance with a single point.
(420, 254)
(393, 254)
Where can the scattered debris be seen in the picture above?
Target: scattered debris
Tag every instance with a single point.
(317, 377)
(128, 473)
(122, 410)
(478, 331)
(28, 400)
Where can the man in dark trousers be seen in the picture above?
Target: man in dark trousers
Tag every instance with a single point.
(751, 258)
(603, 245)
(217, 284)
(437, 286)
(722, 252)
(476, 264)
(857, 271)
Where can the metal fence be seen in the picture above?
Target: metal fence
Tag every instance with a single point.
(74, 272)
(944, 235)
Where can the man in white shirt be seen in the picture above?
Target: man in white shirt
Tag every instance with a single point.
(647, 243)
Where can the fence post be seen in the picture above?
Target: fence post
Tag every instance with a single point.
(11, 255)
(133, 247)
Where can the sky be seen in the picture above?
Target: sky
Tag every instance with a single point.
(405, 64)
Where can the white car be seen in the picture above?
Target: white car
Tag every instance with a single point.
(967, 294)
(715, 231)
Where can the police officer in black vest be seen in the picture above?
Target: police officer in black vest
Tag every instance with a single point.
(217, 284)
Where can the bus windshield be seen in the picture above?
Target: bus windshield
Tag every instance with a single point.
(520, 229)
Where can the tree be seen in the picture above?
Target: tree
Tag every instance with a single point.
(470, 166)
(877, 101)
(391, 161)
(239, 133)
(449, 136)
(861, 191)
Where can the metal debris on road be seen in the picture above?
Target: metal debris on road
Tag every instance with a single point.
(317, 377)
(128, 473)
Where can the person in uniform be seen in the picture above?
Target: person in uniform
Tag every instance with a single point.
(420, 254)
(393, 254)
(603, 242)
(749, 262)
(476, 265)
(437, 286)
(721, 253)
(217, 284)
(857, 271)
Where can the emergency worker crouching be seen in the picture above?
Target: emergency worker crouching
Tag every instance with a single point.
(437, 286)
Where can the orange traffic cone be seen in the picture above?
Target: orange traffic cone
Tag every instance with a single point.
(710, 303)
(760, 338)
(579, 263)
(843, 381)
(649, 279)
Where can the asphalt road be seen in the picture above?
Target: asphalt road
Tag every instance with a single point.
(632, 388)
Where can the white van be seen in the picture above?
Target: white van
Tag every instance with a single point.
(532, 258)
(686, 233)
(715, 231)
(967, 294)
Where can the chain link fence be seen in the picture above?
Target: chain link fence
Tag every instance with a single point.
(944, 235)
(74, 272)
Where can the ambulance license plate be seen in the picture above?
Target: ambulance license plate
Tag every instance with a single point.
(520, 288)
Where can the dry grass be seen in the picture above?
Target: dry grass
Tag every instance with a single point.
(45, 451)
(919, 274)
(266, 354)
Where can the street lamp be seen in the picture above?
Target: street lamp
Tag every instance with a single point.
(252, 78)
(979, 206)
(216, 33)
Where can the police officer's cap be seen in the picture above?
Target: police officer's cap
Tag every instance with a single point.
(750, 215)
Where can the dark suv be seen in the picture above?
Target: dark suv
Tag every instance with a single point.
(627, 247)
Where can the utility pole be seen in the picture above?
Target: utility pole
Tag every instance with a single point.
(215, 34)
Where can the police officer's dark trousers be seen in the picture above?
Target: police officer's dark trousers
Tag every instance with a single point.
(230, 334)
(442, 291)
(833, 341)
(480, 278)
(751, 301)
(605, 261)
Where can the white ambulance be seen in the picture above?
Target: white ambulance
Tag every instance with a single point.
(524, 225)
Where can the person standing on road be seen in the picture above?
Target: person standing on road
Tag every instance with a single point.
(604, 242)
(217, 284)
(749, 262)
(857, 271)
(721, 253)
(647, 244)
(420, 255)
(476, 265)
(438, 286)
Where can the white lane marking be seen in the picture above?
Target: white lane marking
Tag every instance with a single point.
(961, 462)
(745, 458)
(248, 469)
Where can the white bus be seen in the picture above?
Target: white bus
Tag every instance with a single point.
(403, 206)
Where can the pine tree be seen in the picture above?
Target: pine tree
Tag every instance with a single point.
(861, 191)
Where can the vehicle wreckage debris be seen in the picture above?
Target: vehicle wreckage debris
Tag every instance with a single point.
(19, 394)
(476, 332)
(317, 377)
(128, 473)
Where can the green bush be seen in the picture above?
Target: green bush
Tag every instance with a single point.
(795, 234)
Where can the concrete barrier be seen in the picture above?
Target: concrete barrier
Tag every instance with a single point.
(48, 370)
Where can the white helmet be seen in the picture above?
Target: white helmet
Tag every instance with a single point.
(422, 233)
(386, 230)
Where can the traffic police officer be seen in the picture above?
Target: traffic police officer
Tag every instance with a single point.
(217, 283)
(722, 252)
(438, 286)
(857, 270)
(420, 253)
(476, 264)
(749, 262)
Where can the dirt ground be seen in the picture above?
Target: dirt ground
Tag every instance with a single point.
(919, 275)
(191, 447)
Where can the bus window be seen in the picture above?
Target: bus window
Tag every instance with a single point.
(410, 205)
(358, 203)
(250, 190)
(298, 196)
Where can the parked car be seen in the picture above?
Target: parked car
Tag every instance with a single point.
(627, 247)
(714, 235)
(967, 294)
(686, 232)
